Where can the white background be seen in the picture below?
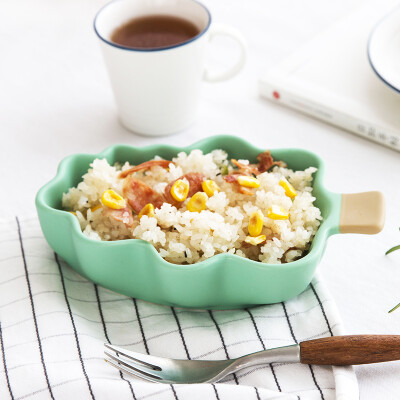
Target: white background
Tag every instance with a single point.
(55, 100)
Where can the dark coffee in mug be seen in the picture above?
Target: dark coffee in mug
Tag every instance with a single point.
(154, 32)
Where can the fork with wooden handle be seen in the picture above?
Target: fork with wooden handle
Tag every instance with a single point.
(335, 350)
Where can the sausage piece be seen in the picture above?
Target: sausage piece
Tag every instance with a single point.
(145, 165)
(123, 215)
(195, 180)
(139, 194)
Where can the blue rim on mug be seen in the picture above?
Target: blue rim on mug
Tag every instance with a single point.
(156, 48)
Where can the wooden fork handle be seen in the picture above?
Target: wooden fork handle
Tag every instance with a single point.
(350, 350)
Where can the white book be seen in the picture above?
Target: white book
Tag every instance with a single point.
(330, 78)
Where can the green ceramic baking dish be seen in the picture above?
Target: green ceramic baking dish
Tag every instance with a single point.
(134, 268)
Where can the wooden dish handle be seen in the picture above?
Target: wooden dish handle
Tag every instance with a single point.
(350, 350)
(362, 213)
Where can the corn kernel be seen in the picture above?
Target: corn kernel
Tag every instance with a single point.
(198, 202)
(72, 212)
(248, 181)
(95, 208)
(256, 223)
(180, 190)
(277, 212)
(290, 191)
(148, 210)
(113, 200)
(255, 240)
(210, 187)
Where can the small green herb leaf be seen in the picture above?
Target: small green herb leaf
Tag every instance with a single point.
(394, 308)
(393, 249)
(388, 252)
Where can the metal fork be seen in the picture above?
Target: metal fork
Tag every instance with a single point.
(335, 350)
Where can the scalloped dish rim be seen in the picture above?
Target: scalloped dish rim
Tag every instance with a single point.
(326, 229)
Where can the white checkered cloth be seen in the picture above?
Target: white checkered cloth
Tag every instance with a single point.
(53, 324)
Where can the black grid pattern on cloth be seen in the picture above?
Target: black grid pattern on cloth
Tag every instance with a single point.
(87, 311)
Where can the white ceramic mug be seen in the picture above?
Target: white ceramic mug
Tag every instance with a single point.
(157, 90)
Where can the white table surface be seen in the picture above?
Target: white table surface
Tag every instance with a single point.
(55, 100)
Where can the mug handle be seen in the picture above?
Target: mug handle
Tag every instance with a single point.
(219, 29)
(362, 213)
